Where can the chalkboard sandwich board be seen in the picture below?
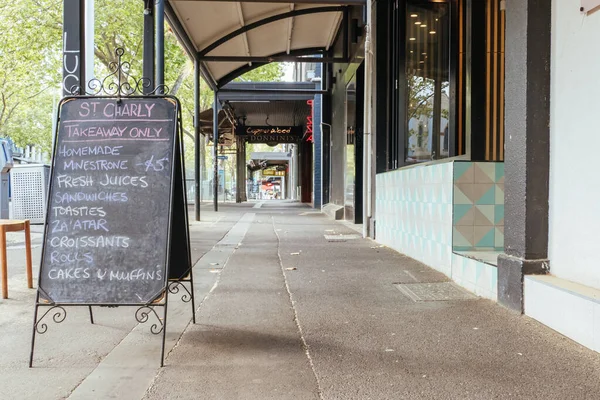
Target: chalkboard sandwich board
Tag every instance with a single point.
(109, 220)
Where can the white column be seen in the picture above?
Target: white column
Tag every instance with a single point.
(368, 128)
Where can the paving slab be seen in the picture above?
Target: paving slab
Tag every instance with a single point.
(69, 352)
(246, 344)
(294, 306)
(131, 367)
(370, 341)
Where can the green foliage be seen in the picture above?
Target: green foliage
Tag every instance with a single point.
(31, 55)
(272, 72)
(28, 69)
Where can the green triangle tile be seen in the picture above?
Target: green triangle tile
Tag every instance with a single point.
(460, 168)
(489, 197)
(459, 240)
(499, 171)
(498, 213)
(499, 194)
(468, 189)
(487, 211)
(460, 210)
(487, 240)
(485, 172)
(462, 248)
(460, 197)
(498, 239)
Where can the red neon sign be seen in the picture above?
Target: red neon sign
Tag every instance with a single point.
(309, 123)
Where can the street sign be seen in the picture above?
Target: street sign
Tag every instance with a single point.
(222, 157)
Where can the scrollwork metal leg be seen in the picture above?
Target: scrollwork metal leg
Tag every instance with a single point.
(142, 316)
(164, 333)
(174, 289)
(188, 296)
(60, 314)
(35, 314)
(193, 299)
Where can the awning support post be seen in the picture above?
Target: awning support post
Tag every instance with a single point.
(149, 43)
(73, 64)
(216, 151)
(197, 152)
(159, 18)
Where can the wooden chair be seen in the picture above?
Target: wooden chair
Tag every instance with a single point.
(12, 225)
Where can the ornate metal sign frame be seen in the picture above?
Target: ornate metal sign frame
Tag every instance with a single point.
(113, 86)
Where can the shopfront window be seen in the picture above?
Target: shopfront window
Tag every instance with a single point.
(428, 81)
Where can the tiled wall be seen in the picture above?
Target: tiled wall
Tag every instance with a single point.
(414, 213)
(421, 209)
(475, 276)
(478, 212)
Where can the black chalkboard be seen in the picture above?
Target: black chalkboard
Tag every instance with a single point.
(110, 209)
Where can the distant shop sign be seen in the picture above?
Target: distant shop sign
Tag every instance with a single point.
(269, 134)
(272, 172)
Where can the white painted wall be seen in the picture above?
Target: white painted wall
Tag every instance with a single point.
(574, 237)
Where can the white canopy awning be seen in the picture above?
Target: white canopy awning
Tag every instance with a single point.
(252, 29)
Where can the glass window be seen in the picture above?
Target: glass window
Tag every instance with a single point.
(428, 81)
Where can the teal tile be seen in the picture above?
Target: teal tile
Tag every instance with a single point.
(487, 240)
(460, 167)
(499, 171)
(462, 248)
(460, 210)
(498, 213)
(499, 240)
(489, 197)
(499, 193)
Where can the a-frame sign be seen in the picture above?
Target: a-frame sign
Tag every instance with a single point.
(116, 230)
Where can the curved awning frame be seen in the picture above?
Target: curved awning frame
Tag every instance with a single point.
(297, 54)
(265, 21)
(202, 57)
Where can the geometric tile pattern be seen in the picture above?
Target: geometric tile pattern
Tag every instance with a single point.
(475, 276)
(414, 213)
(478, 206)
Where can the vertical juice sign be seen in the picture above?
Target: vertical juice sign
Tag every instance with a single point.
(309, 123)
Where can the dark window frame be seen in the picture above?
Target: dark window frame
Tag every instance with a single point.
(392, 30)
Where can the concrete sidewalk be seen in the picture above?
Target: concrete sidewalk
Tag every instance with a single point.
(285, 313)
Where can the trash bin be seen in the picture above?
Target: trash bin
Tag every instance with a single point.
(29, 189)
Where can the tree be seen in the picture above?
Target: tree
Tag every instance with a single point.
(31, 55)
(28, 70)
(272, 72)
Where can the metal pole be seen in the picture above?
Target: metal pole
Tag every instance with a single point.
(197, 198)
(159, 18)
(89, 40)
(148, 57)
(216, 152)
(368, 180)
(73, 63)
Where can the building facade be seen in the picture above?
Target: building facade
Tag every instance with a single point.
(452, 130)
(481, 109)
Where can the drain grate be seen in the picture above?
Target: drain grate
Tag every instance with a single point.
(439, 291)
(341, 238)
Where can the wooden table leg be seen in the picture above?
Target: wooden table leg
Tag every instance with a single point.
(28, 255)
(4, 262)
